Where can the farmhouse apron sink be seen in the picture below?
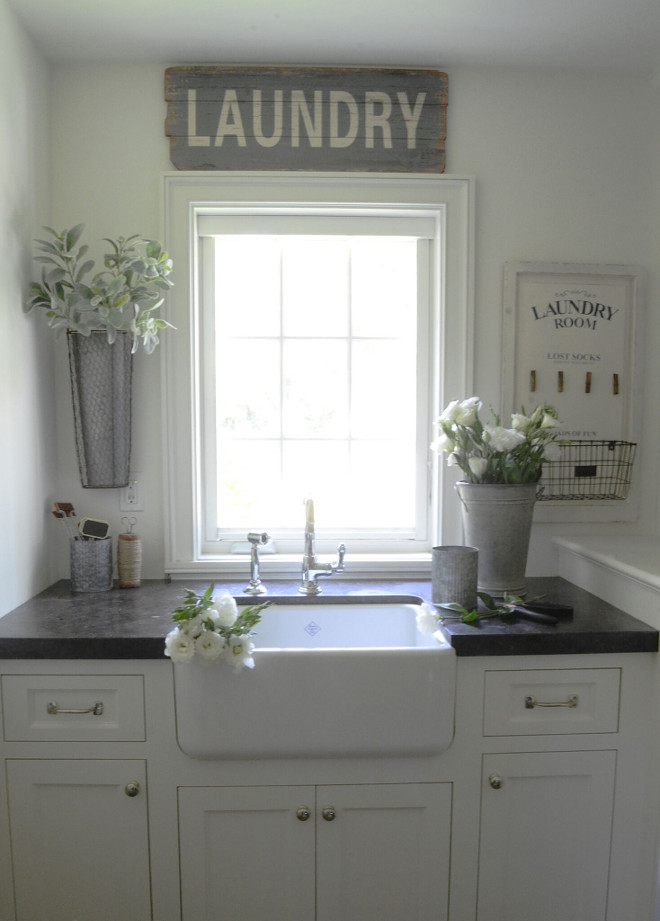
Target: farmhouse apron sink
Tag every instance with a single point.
(340, 679)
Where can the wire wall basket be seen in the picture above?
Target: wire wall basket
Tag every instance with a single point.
(598, 470)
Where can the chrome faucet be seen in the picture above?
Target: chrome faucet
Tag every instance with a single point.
(255, 586)
(312, 570)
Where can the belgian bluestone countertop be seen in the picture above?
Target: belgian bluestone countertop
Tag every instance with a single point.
(132, 623)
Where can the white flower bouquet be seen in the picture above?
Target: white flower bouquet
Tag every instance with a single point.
(213, 629)
(492, 453)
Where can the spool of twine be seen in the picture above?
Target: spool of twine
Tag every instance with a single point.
(129, 560)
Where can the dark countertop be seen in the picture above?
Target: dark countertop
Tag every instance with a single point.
(132, 623)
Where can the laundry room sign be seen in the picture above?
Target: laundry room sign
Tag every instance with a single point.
(302, 118)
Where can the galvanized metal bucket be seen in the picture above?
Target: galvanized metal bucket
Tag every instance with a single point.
(497, 520)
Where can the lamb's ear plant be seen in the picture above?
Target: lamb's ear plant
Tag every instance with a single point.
(123, 297)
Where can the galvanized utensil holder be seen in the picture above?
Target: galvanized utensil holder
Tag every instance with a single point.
(91, 565)
(454, 576)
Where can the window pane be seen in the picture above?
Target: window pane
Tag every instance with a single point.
(383, 389)
(386, 497)
(247, 272)
(315, 373)
(315, 287)
(383, 285)
(319, 469)
(248, 388)
(246, 498)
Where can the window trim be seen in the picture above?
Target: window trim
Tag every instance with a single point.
(449, 198)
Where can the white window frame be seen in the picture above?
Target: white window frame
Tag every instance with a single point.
(450, 201)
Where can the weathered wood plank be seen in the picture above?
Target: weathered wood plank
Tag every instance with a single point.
(306, 118)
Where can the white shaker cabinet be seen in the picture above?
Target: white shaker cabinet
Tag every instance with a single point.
(546, 826)
(79, 840)
(350, 852)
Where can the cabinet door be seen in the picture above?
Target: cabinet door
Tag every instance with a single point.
(247, 854)
(383, 852)
(545, 836)
(79, 841)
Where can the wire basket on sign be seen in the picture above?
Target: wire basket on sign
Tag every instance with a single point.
(598, 470)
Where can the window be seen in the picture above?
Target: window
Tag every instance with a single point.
(310, 359)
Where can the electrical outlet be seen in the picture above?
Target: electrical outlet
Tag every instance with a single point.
(131, 497)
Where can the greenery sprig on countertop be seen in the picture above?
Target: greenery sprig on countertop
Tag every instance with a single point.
(492, 608)
(429, 617)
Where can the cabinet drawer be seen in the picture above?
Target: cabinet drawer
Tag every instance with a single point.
(73, 708)
(551, 701)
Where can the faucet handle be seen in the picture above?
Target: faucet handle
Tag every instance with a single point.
(341, 553)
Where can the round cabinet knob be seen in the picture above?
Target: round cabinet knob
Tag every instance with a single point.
(329, 813)
(495, 781)
(132, 788)
(303, 813)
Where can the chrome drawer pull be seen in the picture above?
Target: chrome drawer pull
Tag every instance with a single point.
(531, 702)
(54, 709)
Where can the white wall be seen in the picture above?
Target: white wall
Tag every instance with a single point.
(27, 410)
(565, 169)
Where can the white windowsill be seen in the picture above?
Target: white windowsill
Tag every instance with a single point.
(285, 566)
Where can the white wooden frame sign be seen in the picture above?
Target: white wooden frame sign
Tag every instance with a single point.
(572, 339)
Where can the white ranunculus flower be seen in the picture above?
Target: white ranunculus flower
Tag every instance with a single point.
(192, 627)
(478, 465)
(238, 652)
(519, 422)
(180, 647)
(223, 610)
(427, 620)
(450, 411)
(549, 422)
(453, 460)
(467, 411)
(502, 439)
(209, 646)
(442, 443)
(552, 452)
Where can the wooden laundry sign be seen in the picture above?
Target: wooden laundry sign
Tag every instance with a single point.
(301, 118)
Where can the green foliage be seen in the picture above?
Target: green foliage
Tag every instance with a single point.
(123, 297)
(491, 608)
(198, 606)
(492, 453)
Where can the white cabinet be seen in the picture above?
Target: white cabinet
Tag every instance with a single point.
(546, 827)
(246, 853)
(79, 840)
(355, 852)
(547, 816)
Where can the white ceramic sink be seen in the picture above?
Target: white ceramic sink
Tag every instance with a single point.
(339, 679)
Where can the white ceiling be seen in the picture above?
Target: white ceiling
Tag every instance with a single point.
(620, 36)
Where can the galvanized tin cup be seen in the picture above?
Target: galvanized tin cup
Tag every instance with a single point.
(454, 576)
(91, 565)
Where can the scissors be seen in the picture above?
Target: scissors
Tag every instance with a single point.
(129, 524)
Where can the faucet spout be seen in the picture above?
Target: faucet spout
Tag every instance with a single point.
(312, 569)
